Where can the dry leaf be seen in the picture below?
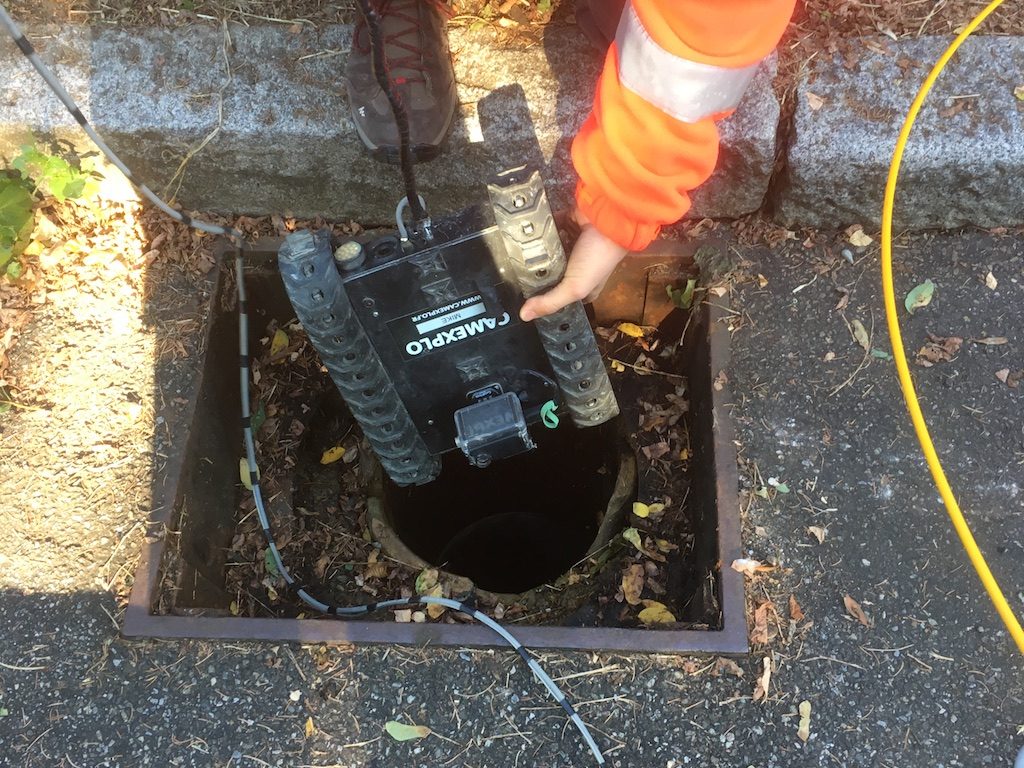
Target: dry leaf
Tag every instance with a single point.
(992, 341)
(279, 343)
(426, 580)
(1010, 378)
(402, 732)
(632, 535)
(374, 569)
(764, 681)
(656, 450)
(955, 109)
(310, 728)
(726, 666)
(640, 509)
(795, 612)
(760, 634)
(434, 610)
(860, 334)
(331, 455)
(655, 613)
(854, 609)
(631, 329)
(990, 281)
(633, 583)
(243, 473)
(858, 238)
(814, 101)
(817, 532)
(746, 566)
(938, 350)
(762, 281)
(803, 731)
(664, 545)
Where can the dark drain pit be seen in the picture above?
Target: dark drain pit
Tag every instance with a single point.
(522, 522)
(513, 528)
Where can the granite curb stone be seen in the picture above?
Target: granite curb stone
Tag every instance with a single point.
(966, 155)
(283, 141)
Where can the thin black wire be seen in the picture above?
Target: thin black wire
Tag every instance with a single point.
(383, 75)
(300, 589)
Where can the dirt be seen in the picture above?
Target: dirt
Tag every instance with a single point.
(314, 462)
(110, 307)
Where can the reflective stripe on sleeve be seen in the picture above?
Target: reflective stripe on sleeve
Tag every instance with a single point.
(687, 90)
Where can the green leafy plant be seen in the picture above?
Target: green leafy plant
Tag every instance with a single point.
(682, 297)
(53, 175)
(16, 222)
(35, 175)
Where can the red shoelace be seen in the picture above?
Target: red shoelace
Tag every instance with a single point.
(405, 37)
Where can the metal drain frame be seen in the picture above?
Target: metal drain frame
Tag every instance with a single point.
(714, 487)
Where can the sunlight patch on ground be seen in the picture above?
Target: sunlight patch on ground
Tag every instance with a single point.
(77, 448)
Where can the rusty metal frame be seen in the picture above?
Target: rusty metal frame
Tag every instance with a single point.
(730, 639)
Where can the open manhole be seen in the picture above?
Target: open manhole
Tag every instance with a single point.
(537, 540)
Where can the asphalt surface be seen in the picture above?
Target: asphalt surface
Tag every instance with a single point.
(933, 681)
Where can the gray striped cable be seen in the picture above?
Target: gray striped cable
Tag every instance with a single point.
(54, 84)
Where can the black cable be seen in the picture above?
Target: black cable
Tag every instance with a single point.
(61, 93)
(383, 75)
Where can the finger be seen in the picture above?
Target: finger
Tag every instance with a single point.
(562, 295)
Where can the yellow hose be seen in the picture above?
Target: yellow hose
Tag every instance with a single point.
(906, 382)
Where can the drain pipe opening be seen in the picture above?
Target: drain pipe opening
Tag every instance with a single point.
(524, 521)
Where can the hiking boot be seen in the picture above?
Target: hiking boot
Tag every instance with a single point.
(415, 41)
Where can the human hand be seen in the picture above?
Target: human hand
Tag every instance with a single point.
(592, 261)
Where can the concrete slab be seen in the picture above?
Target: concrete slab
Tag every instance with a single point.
(281, 137)
(966, 153)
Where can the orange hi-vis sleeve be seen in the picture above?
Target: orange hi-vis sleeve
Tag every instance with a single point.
(676, 67)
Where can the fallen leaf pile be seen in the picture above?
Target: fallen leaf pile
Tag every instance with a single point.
(938, 350)
(75, 246)
(655, 401)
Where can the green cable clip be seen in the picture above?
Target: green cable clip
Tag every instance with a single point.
(548, 416)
